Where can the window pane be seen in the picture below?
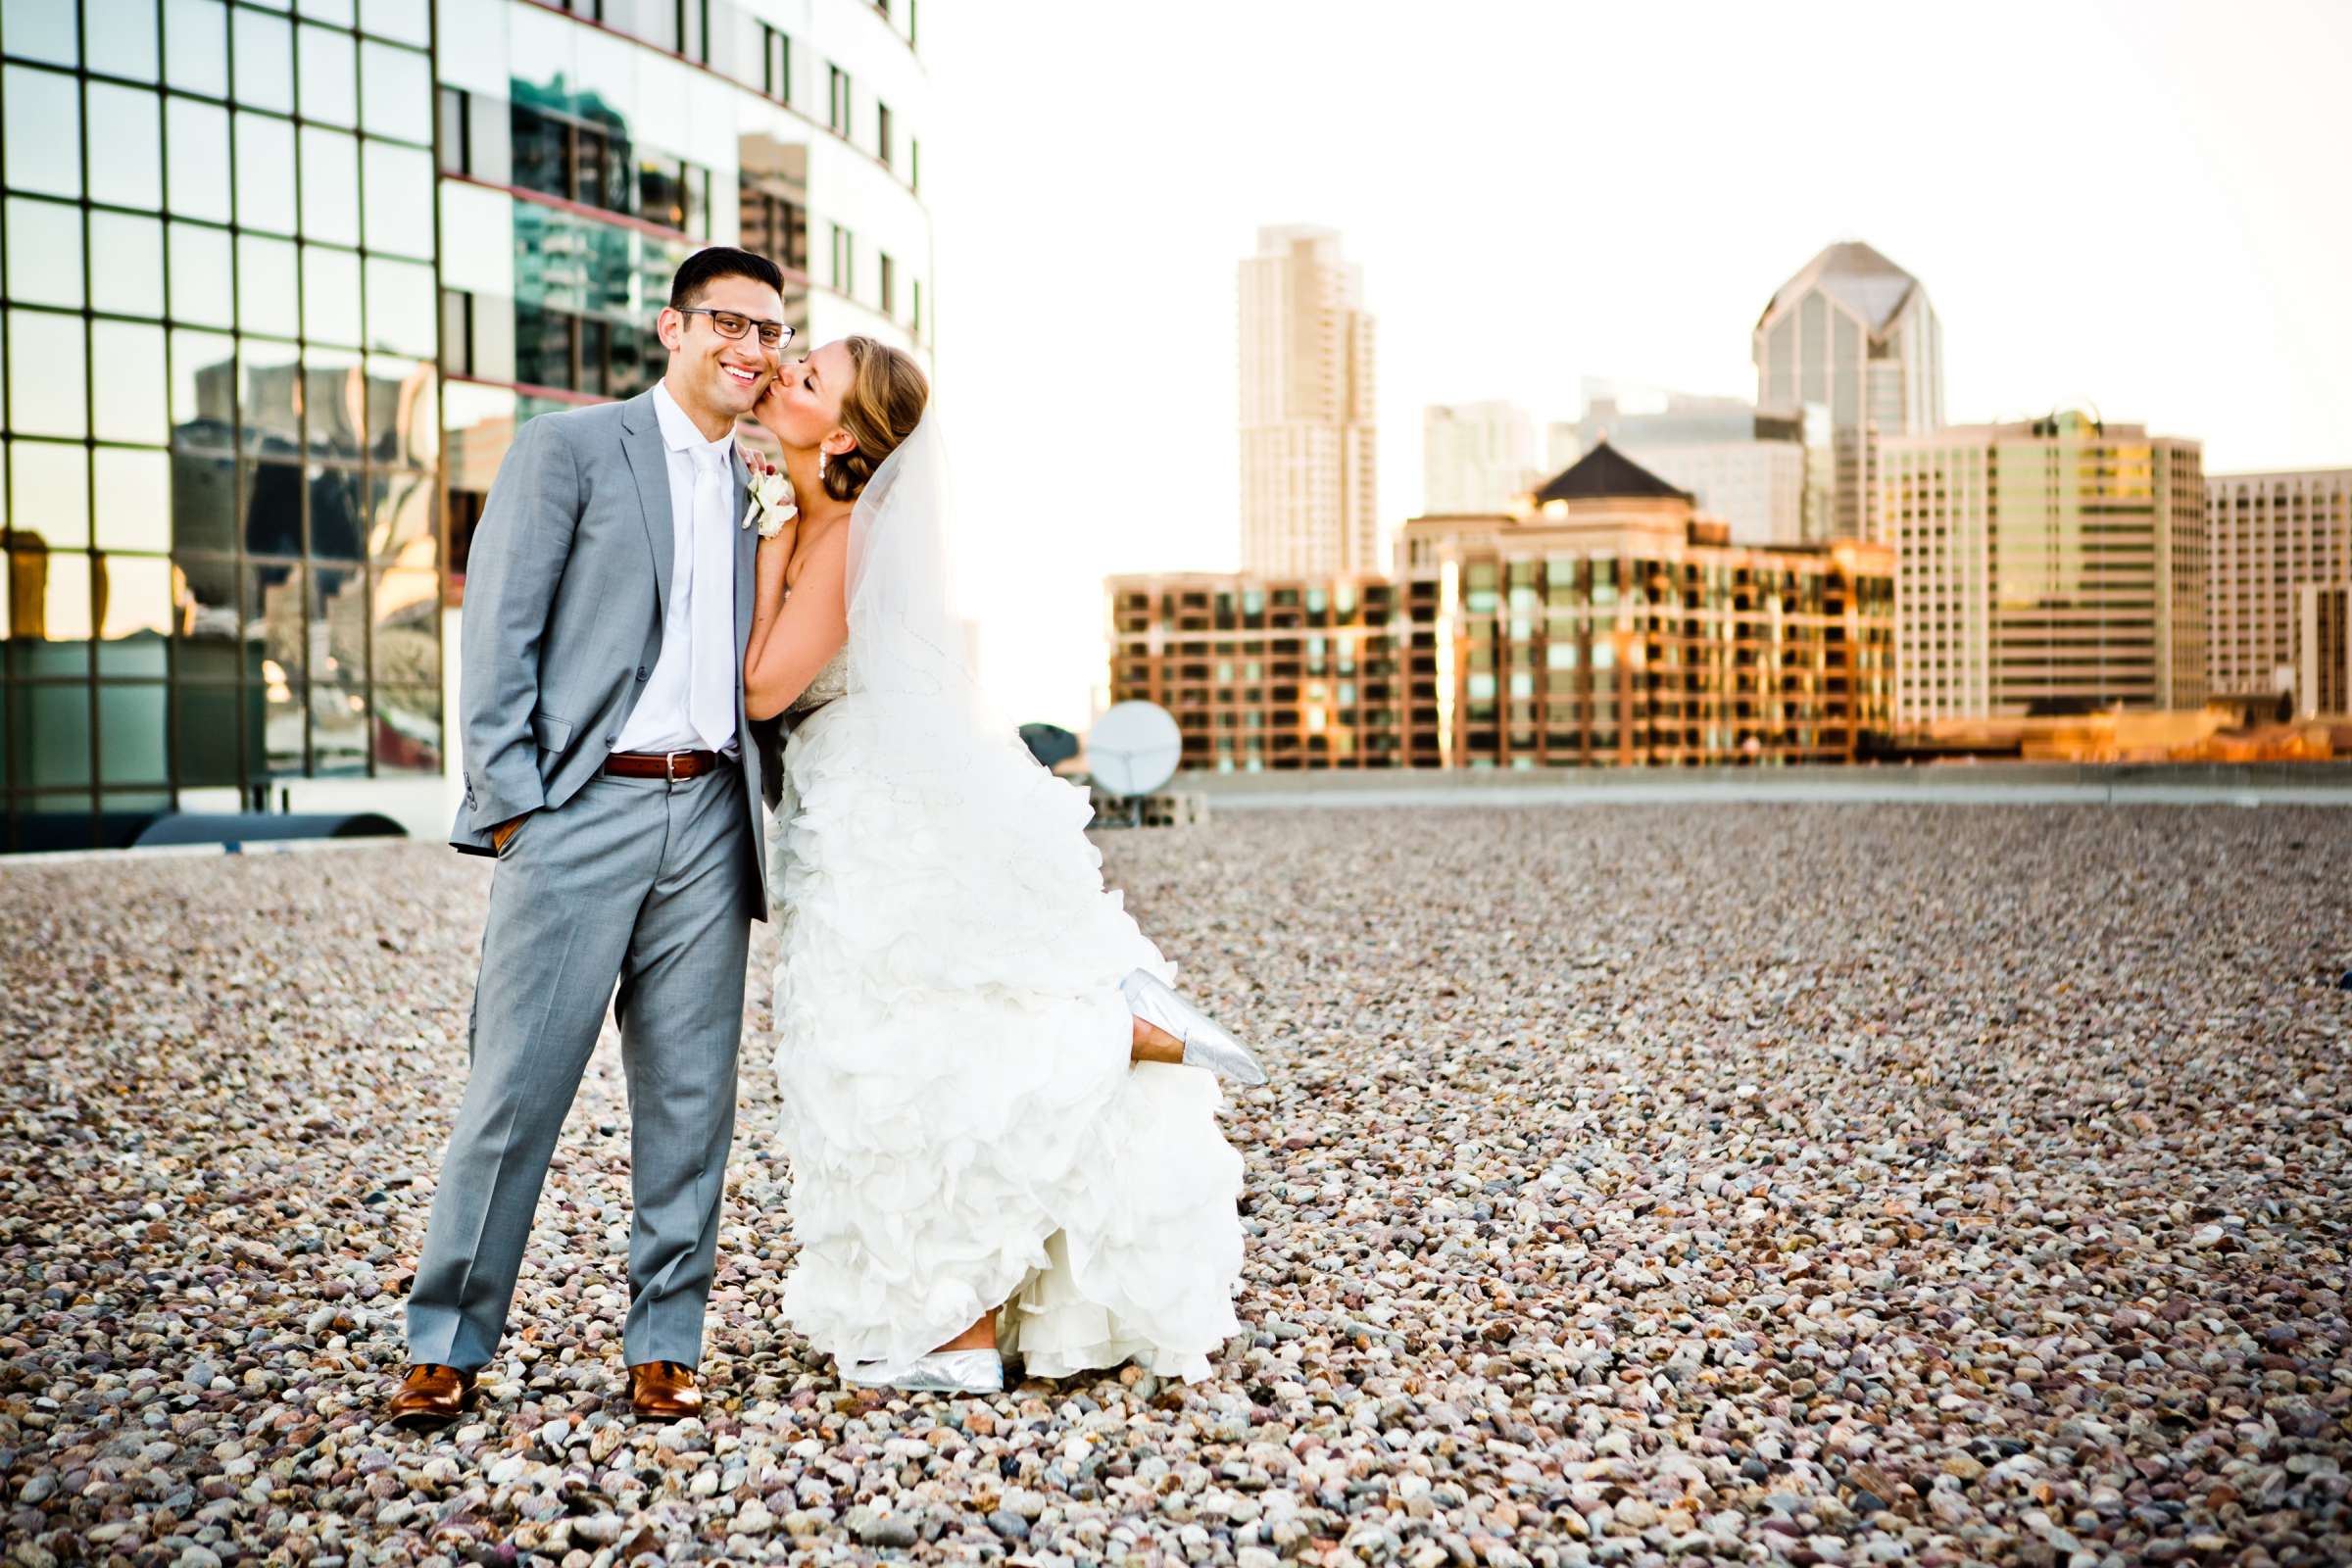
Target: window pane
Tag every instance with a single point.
(266, 287)
(399, 187)
(40, 29)
(275, 624)
(130, 733)
(204, 382)
(338, 691)
(403, 21)
(338, 11)
(126, 362)
(126, 264)
(403, 426)
(331, 186)
(204, 740)
(196, 46)
(396, 91)
(408, 627)
(202, 272)
(266, 400)
(400, 308)
(49, 597)
(42, 130)
(408, 730)
(46, 392)
(335, 529)
(265, 60)
(204, 616)
(126, 158)
(134, 598)
(328, 92)
(133, 496)
(331, 402)
(53, 746)
(199, 171)
(266, 173)
(49, 493)
(121, 37)
(331, 295)
(400, 518)
(44, 253)
(272, 509)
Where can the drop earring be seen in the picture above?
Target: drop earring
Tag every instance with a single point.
(820, 463)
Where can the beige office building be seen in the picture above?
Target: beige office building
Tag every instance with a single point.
(2055, 566)
(1476, 457)
(1308, 491)
(2280, 551)
(1854, 333)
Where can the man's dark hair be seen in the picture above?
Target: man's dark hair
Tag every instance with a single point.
(704, 267)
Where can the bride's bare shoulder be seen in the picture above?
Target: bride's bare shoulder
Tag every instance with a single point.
(824, 549)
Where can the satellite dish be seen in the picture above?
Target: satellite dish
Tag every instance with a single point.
(1134, 749)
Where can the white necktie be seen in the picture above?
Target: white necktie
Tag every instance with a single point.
(710, 677)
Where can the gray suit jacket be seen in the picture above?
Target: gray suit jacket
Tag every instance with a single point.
(565, 586)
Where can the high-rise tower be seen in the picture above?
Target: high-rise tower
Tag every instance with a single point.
(1307, 478)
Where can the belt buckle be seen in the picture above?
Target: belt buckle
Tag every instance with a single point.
(670, 766)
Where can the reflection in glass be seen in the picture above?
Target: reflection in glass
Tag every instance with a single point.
(266, 285)
(53, 748)
(270, 403)
(134, 613)
(282, 751)
(265, 173)
(272, 510)
(204, 739)
(338, 687)
(44, 253)
(196, 46)
(331, 295)
(328, 91)
(399, 188)
(408, 730)
(331, 398)
(331, 186)
(203, 384)
(201, 275)
(48, 494)
(400, 308)
(275, 629)
(196, 137)
(47, 394)
(40, 135)
(408, 627)
(126, 362)
(127, 156)
(400, 518)
(397, 97)
(121, 38)
(336, 531)
(265, 60)
(133, 495)
(204, 616)
(126, 264)
(41, 29)
(49, 603)
(402, 425)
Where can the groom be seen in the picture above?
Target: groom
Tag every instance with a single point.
(609, 768)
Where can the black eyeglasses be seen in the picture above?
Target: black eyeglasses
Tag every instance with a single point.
(732, 325)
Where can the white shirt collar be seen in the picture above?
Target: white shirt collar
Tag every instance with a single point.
(678, 432)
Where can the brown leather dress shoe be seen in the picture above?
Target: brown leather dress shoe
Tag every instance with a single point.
(665, 1391)
(432, 1395)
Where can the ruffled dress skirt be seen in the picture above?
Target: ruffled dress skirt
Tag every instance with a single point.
(964, 1127)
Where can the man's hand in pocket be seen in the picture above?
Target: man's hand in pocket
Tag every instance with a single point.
(505, 831)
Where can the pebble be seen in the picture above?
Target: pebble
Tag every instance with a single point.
(1830, 1184)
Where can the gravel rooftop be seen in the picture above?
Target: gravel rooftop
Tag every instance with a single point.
(1799, 1184)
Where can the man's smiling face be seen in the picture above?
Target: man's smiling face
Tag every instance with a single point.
(713, 375)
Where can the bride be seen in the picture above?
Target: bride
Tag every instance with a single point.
(1000, 1135)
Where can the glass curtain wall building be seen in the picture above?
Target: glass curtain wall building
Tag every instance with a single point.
(279, 279)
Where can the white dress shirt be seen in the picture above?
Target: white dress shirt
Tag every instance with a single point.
(689, 699)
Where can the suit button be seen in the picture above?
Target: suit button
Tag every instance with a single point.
(641, 673)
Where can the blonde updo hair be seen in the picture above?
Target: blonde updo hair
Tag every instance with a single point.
(887, 394)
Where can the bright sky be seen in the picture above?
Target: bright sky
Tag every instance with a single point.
(2139, 205)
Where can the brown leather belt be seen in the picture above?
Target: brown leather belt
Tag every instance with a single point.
(675, 767)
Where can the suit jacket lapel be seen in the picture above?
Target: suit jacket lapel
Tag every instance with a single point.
(747, 552)
(649, 463)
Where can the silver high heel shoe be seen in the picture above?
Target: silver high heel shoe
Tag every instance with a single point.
(939, 1372)
(1206, 1045)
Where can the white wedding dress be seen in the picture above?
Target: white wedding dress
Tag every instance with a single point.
(964, 1124)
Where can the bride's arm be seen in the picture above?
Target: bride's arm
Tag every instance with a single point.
(791, 638)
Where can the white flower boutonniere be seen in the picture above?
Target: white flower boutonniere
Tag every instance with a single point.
(772, 503)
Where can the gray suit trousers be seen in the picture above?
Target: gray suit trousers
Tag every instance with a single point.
(643, 884)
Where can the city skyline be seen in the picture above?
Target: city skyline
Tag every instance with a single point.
(2233, 333)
